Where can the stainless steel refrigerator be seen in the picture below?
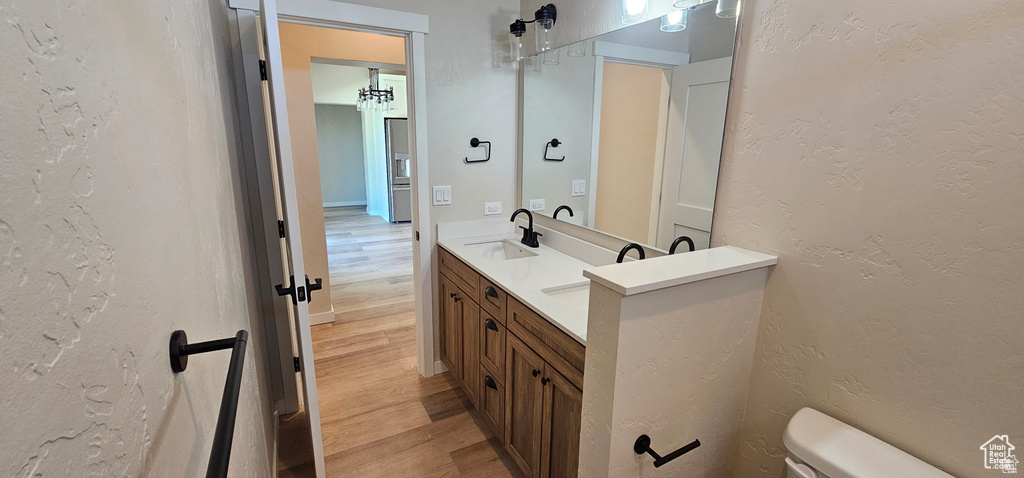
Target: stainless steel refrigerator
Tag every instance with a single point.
(396, 132)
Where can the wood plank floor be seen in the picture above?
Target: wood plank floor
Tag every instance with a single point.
(379, 416)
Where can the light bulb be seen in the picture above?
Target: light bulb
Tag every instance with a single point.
(727, 8)
(674, 21)
(543, 39)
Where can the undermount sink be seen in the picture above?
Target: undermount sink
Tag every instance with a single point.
(501, 250)
(577, 291)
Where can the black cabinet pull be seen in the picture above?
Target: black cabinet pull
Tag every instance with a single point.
(451, 295)
(491, 325)
(457, 298)
(490, 292)
(489, 382)
(536, 372)
(643, 445)
(544, 381)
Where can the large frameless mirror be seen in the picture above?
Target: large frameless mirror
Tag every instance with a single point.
(622, 132)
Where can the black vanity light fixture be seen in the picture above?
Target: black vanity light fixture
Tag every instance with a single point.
(545, 18)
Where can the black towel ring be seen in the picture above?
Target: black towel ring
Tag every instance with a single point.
(552, 144)
(476, 143)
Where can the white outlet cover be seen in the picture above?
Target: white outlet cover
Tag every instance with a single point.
(492, 208)
(442, 195)
(536, 204)
(579, 187)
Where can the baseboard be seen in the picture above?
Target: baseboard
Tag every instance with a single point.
(322, 317)
(344, 203)
(439, 367)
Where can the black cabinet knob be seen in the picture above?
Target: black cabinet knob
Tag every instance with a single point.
(457, 298)
(451, 295)
(544, 381)
(491, 292)
(489, 382)
(536, 372)
(491, 325)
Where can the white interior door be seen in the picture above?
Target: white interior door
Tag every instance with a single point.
(693, 150)
(289, 201)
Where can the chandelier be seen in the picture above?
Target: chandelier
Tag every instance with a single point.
(373, 98)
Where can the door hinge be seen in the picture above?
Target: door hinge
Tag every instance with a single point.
(298, 364)
(417, 235)
(280, 229)
(263, 70)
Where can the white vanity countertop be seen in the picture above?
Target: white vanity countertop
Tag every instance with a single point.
(527, 278)
(637, 277)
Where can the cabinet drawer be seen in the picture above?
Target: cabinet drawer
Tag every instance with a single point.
(492, 299)
(492, 403)
(556, 347)
(461, 274)
(492, 345)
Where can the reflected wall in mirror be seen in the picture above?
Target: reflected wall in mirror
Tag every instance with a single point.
(629, 135)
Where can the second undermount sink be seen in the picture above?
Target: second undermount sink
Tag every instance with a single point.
(576, 292)
(502, 250)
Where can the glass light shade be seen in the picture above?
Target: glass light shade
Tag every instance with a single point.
(551, 57)
(675, 21)
(577, 49)
(727, 8)
(517, 47)
(633, 11)
(543, 38)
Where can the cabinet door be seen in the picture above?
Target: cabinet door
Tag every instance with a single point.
(451, 328)
(524, 398)
(492, 346)
(560, 435)
(470, 349)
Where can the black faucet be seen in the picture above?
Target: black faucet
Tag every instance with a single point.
(631, 245)
(529, 236)
(679, 240)
(559, 208)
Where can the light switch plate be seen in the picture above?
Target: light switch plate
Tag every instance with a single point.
(492, 208)
(442, 195)
(536, 204)
(579, 187)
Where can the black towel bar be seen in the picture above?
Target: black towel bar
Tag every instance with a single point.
(643, 445)
(220, 452)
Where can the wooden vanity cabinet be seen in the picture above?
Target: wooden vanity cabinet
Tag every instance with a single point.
(524, 397)
(450, 324)
(460, 345)
(521, 372)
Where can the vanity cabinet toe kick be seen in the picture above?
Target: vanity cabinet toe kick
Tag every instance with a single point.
(523, 373)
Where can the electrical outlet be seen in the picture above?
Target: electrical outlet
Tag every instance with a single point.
(442, 195)
(536, 204)
(579, 187)
(492, 208)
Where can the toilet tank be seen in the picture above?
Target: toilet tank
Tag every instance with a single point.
(822, 447)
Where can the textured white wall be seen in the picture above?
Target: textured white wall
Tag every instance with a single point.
(121, 219)
(337, 84)
(471, 92)
(878, 150)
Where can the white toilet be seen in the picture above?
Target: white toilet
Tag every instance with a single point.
(822, 447)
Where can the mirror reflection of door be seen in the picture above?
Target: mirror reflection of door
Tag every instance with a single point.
(627, 166)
